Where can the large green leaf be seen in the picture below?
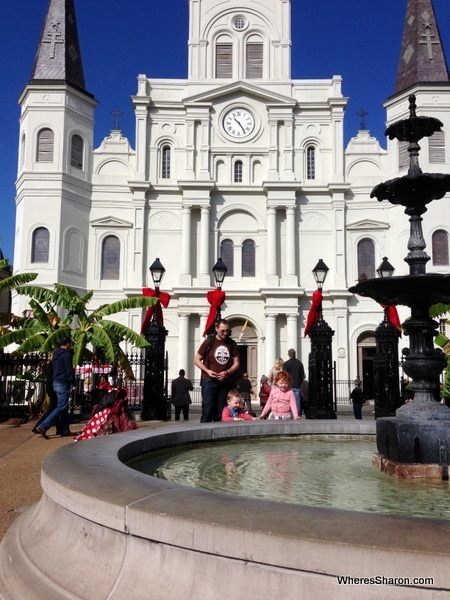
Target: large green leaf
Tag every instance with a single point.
(439, 309)
(125, 304)
(18, 336)
(14, 281)
(123, 332)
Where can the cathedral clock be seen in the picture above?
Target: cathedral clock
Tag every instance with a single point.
(238, 122)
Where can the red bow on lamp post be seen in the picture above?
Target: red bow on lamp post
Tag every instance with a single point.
(314, 311)
(392, 315)
(164, 299)
(215, 298)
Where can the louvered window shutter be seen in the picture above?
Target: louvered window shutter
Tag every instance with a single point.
(403, 156)
(436, 146)
(45, 143)
(76, 156)
(254, 65)
(224, 61)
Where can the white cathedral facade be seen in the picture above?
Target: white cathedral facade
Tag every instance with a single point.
(238, 160)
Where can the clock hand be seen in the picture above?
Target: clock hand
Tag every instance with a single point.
(240, 124)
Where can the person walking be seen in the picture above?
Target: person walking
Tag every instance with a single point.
(295, 368)
(63, 384)
(217, 358)
(246, 389)
(181, 398)
(357, 397)
(277, 367)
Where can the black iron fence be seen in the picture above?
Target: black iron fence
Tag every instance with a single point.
(22, 385)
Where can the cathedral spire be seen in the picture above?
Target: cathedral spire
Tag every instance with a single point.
(58, 58)
(422, 58)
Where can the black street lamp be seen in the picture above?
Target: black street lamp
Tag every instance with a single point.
(219, 271)
(320, 358)
(155, 403)
(386, 389)
(216, 297)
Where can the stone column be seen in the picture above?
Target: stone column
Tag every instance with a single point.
(184, 360)
(271, 347)
(291, 247)
(205, 266)
(292, 333)
(272, 277)
(185, 259)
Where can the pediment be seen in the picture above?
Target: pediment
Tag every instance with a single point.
(111, 223)
(241, 87)
(367, 224)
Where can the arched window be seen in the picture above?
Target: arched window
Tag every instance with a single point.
(76, 152)
(22, 151)
(224, 60)
(366, 258)
(237, 178)
(248, 258)
(310, 162)
(227, 254)
(110, 267)
(254, 60)
(45, 143)
(439, 245)
(165, 162)
(40, 245)
(436, 147)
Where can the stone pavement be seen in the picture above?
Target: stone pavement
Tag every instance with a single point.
(22, 453)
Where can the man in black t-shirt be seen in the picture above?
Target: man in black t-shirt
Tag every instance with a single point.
(217, 359)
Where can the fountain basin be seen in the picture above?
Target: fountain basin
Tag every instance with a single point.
(104, 530)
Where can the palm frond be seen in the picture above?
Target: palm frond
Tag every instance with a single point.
(101, 339)
(54, 339)
(79, 348)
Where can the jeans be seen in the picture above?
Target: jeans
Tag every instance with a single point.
(297, 400)
(214, 399)
(62, 391)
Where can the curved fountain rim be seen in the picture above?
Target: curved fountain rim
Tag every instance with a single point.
(132, 502)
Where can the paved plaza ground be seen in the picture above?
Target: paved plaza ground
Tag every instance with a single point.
(22, 453)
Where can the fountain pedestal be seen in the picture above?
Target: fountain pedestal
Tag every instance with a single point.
(419, 434)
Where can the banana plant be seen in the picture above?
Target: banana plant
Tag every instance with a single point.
(437, 310)
(9, 321)
(45, 329)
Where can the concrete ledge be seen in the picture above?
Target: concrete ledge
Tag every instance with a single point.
(104, 530)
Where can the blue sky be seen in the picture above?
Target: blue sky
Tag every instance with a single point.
(357, 39)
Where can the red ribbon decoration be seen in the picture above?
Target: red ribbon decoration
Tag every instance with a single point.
(314, 311)
(164, 299)
(392, 316)
(216, 298)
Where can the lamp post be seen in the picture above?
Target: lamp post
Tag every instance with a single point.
(386, 388)
(155, 404)
(320, 358)
(216, 297)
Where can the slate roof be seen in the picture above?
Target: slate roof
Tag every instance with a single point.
(58, 56)
(422, 58)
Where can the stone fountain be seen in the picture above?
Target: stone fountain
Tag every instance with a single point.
(419, 435)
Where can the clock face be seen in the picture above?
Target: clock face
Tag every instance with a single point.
(238, 122)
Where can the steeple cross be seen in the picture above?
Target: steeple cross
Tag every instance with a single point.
(362, 113)
(116, 113)
(54, 38)
(428, 40)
